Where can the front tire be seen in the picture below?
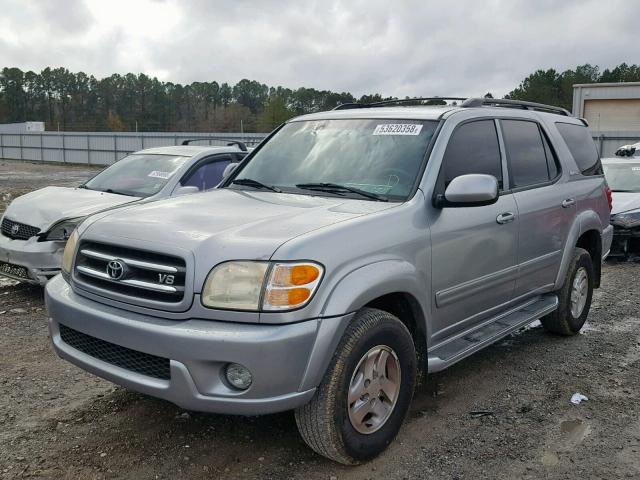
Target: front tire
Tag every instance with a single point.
(365, 394)
(574, 297)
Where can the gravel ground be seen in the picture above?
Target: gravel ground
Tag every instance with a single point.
(503, 413)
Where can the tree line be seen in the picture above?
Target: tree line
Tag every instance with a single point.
(556, 88)
(66, 100)
(76, 101)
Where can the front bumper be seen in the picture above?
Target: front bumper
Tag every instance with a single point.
(285, 360)
(41, 259)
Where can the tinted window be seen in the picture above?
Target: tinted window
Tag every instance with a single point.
(582, 147)
(525, 152)
(473, 148)
(208, 175)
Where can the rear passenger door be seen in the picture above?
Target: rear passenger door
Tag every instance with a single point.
(545, 207)
(473, 248)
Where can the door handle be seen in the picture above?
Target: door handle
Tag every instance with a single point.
(505, 217)
(568, 202)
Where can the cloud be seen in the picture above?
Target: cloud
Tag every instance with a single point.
(362, 46)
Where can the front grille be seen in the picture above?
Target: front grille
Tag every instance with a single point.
(17, 230)
(138, 274)
(139, 362)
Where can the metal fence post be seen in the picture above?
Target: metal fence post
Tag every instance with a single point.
(88, 150)
(601, 144)
(41, 149)
(115, 148)
(64, 149)
(1, 145)
(20, 146)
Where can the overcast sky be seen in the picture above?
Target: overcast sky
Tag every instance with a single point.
(399, 48)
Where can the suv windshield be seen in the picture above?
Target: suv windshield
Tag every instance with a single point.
(356, 158)
(623, 177)
(138, 175)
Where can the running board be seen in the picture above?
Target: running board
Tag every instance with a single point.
(469, 342)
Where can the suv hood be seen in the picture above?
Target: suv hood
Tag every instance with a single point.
(226, 224)
(42, 208)
(625, 201)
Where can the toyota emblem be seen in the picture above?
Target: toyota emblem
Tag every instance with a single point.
(115, 269)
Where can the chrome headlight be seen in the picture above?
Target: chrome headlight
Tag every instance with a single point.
(69, 252)
(62, 230)
(626, 219)
(261, 286)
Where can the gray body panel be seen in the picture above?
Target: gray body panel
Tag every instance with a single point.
(465, 271)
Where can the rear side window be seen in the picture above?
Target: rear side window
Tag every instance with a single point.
(582, 147)
(207, 175)
(473, 148)
(526, 153)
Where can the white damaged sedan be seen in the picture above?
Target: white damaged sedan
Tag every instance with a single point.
(35, 227)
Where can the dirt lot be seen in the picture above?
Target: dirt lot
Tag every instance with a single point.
(503, 413)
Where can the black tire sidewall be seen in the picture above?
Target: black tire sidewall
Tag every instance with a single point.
(575, 324)
(395, 336)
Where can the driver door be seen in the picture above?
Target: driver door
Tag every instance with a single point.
(474, 249)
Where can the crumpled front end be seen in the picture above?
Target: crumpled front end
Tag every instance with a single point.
(29, 260)
(626, 236)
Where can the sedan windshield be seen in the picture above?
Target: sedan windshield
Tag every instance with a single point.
(623, 177)
(356, 158)
(138, 175)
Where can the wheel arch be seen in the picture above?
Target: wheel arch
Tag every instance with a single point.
(391, 286)
(585, 232)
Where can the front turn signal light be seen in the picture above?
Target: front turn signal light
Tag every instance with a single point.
(291, 285)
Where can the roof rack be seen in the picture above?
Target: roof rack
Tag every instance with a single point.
(241, 145)
(500, 102)
(399, 101)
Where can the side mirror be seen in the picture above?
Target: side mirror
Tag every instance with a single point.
(472, 190)
(229, 169)
(186, 190)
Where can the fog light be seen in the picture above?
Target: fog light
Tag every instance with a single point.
(238, 376)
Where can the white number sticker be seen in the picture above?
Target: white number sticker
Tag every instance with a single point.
(159, 174)
(398, 129)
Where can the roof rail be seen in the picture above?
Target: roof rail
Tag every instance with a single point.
(499, 102)
(384, 103)
(241, 145)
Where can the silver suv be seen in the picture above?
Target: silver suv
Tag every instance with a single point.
(350, 252)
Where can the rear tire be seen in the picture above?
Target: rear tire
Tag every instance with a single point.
(574, 297)
(373, 370)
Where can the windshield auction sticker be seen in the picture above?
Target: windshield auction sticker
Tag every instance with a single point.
(159, 174)
(398, 129)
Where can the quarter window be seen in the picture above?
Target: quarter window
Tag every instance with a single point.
(473, 148)
(582, 148)
(526, 153)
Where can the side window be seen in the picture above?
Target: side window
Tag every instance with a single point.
(207, 175)
(473, 148)
(582, 147)
(526, 153)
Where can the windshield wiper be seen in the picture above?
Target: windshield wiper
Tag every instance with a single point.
(116, 192)
(336, 187)
(250, 182)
